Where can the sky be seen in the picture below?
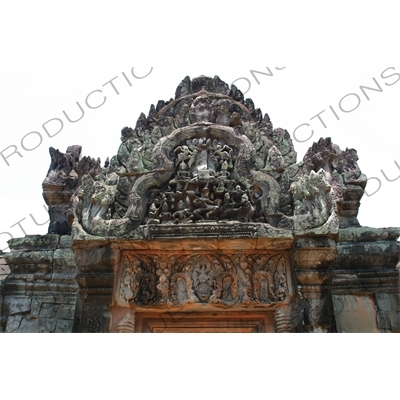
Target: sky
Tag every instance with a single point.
(310, 102)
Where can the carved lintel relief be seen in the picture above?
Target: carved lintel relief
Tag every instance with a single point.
(216, 279)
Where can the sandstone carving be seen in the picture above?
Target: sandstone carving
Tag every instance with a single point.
(220, 279)
(203, 220)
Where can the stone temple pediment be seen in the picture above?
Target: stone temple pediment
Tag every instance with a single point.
(205, 212)
(209, 157)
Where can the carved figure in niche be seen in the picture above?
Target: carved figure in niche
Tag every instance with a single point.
(133, 210)
(227, 208)
(229, 290)
(157, 197)
(226, 290)
(223, 115)
(145, 291)
(246, 274)
(108, 214)
(263, 293)
(170, 195)
(220, 190)
(183, 170)
(225, 167)
(181, 290)
(236, 195)
(135, 163)
(184, 154)
(137, 282)
(183, 215)
(204, 206)
(275, 163)
(281, 288)
(208, 158)
(164, 273)
(202, 280)
(222, 153)
(127, 287)
(153, 215)
(165, 215)
(201, 110)
(263, 287)
(246, 211)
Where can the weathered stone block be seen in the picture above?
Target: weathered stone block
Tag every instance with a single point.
(65, 242)
(395, 320)
(29, 326)
(35, 242)
(64, 326)
(355, 314)
(66, 312)
(383, 321)
(18, 306)
(47, 325)
(383, 301)
(35, 308)
(63, 260)
(13, 323)
(49, 310)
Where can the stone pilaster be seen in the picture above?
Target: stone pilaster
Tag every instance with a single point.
(127, 324)
(313, 256)
(96, 263)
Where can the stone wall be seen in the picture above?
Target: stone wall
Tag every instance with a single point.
(4, 272)
(40, 293)
(365, 284)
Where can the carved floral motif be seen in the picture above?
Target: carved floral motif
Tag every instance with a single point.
(93, 318)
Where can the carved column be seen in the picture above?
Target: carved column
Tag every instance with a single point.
(127, 323)
(288, 319)
(313, 256)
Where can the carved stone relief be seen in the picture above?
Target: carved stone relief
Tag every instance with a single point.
(94, 317)
(147, 280)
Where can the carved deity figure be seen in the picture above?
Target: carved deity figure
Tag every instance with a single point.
(275, 163)
(263, 293)
(145, 291)
(204, 206)
(181, 292)
(183, 215)
(203, 283)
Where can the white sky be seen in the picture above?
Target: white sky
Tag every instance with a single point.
(29, 97)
